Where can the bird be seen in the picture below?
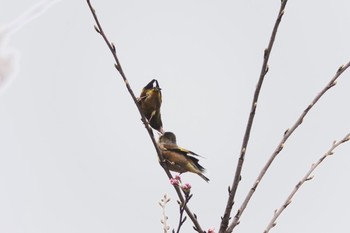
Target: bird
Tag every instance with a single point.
(179, 159)
(150, 101)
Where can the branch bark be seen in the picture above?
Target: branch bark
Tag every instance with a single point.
(264, 69)
(280, 146)
(119, 68)
(307, 177)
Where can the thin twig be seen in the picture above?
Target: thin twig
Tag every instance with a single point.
(118, 66)
(280, 146)
(182, 206)
(264, 69)
(307, 177)
(164, 220)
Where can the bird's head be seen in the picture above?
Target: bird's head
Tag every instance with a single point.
(167, 138)
(153, 84)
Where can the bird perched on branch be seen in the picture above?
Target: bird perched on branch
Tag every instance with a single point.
(179, 159)
(150, 101)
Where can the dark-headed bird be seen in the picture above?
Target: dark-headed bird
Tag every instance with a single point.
(150, 101)
(179, 159)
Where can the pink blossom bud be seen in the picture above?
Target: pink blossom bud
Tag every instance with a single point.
(178, 178)
(211, 230)
(174, 181)
(186, 187)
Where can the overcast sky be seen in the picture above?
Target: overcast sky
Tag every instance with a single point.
(75, 157)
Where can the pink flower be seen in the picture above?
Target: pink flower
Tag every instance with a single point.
(178, 177)
(174, 181)
(211, 230)
(186, 188)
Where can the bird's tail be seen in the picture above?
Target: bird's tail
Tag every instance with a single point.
(204, 177)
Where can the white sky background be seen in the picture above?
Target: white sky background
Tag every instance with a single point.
(75, 157)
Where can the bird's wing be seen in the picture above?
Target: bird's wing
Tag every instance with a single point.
(190, 152)
(188, 157)
(181, 150)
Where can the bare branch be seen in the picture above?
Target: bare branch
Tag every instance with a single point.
(280, 146)
(182, 206)
(264, 69)
(302, 181)
(119, 68)
(164, 220)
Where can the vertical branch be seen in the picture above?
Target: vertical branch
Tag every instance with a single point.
(182, 206)
(280, 146)
(307, 177)
(164, 220)
(263, 72)
(119, 68)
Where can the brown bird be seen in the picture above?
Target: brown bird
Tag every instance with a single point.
(178, 159)
(150, 101)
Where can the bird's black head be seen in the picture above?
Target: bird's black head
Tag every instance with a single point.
(153, 84)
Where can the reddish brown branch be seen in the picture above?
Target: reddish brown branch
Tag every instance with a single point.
(118, 66)
(280, 146)
(307, 177)
(264, 69)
